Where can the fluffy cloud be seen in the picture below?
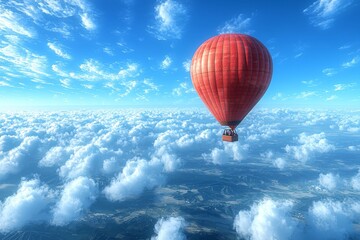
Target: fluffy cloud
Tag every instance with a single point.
(329, 220)
(12, 161)
(329, 181)
(267, 219)
(76, 197)
(136, 176)
(83, 162)
(309, 144)
(170, 228)
(270, 219)
(29, 204)
(280, 163)
(355, 181)
(54, 156)
(230, 151)
(170, 17)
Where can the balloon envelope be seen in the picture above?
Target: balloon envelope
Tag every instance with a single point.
(231, 72)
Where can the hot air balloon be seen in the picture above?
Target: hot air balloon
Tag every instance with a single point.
(231, 72)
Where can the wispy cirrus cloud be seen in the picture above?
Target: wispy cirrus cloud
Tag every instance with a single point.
(87, 21)
(24, 61)
(351, 63)
(322, 13)
(38, 11)
(329, 71)
(5, 84)
(93, 70)
(58, 50)
(342, 86)
(332, 97)
(306, 94)
(10, 22)
(239, 24)
(170, 19)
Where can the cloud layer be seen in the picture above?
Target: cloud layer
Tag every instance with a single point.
(56, 165)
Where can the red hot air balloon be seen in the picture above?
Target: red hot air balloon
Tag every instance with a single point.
(231, 72)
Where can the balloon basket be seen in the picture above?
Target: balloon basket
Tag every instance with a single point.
(227, 138)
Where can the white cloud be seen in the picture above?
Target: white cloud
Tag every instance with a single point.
(39, 11)
(277, 96)
(355, 181)
(5, 84)
(13, 161)
(92, 70)
(131, 70)
(69, 8)
(126, 152)
(329, 220)
(351, 63)
(88, 86)
(150, 86)
(24, 61)
(263, 131)
(309, 144)
(136, 176)
(87, 21)
(30, 204)
(165, 64)
(76, 197)
(58, 51)
(11, 23)
(170, 17)
(342, 86)
(271, 219)
(230, 152)
(170, 228)
(280, 163)
(267, 219)
(66, 83)
(186, 65)
(55, 156)
(329, 71)
(183, 88)
(332, 97)
(306, 94)
(84, 162)
(322, 13)
(329, 181)
(239, 24)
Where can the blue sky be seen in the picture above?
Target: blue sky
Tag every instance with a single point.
(137, 53)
